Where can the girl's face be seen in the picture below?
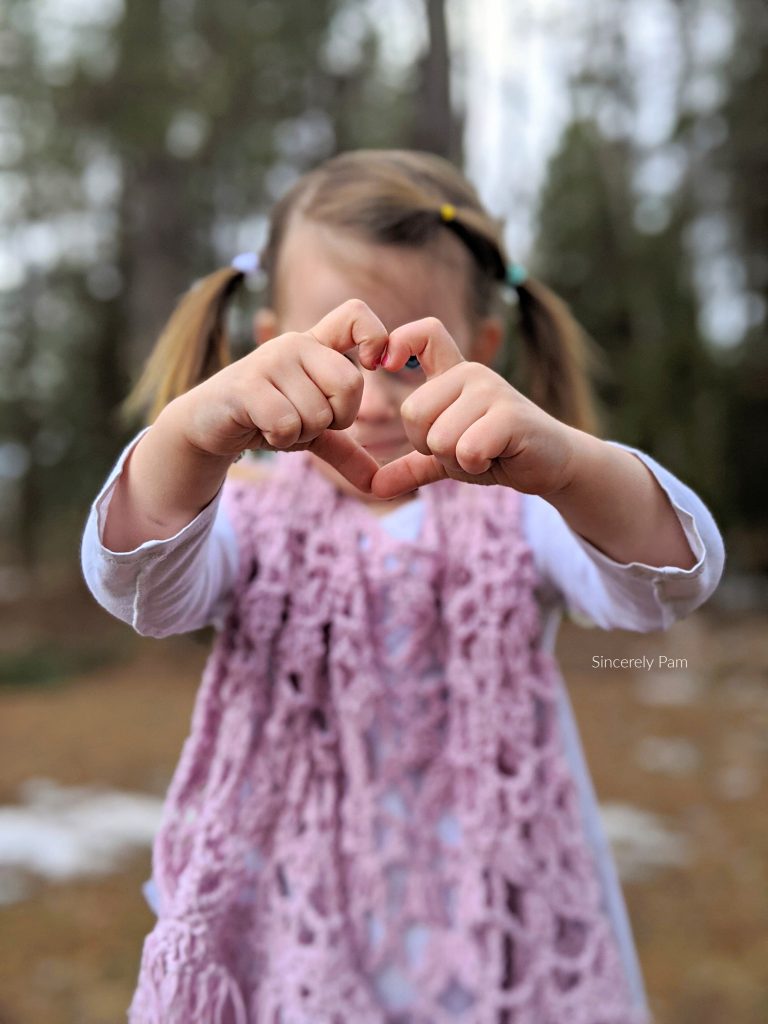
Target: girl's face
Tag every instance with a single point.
(319, 268)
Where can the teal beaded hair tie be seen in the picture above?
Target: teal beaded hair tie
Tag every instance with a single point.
(516, 275)
(485, 252)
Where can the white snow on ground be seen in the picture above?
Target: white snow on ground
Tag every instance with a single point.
(66, 832)
(642, 844)
(60, 833)
(666, 688)
(667, 755)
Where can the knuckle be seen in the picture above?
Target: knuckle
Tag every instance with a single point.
(433, 325)
(472, 459)
(349, 388)
(356, 307)
(319, 420)
(285, 428)
(297, 340)
(344, 418)
(469, 453)
(472, 466)
(284, 424)
(481, 378)
(273, 353)
(438, 442)
(350, 381)
(408, 411)
(473, 370)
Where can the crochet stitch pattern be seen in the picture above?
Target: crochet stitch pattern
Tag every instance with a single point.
(373, 819)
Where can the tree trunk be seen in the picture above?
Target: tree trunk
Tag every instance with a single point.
(436, 127)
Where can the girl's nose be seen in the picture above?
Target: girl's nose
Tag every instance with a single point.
(379, 401)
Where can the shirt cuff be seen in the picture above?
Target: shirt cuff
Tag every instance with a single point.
(642, 571)
(673, 592)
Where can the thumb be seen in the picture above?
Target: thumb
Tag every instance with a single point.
(354, 463)
(408, 473)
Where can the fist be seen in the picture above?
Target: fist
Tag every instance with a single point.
(291, 393)
(467, 423)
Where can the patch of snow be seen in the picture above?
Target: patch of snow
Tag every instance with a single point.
(642, 844)
(668, 688)
(667, 755)
(65, 832)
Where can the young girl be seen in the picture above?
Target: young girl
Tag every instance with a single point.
(382, 812)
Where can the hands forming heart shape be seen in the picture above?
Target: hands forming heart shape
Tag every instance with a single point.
(465, 422)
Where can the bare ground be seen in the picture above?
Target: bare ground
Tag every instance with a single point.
(70, 953)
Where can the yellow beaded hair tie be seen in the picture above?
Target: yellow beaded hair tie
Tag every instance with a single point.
(487, 255)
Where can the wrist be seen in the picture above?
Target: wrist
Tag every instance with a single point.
(180, 427)
(614, 501)
(571, 452)
(198, 473)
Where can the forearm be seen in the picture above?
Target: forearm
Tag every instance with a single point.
(165, 484)
(614, 502)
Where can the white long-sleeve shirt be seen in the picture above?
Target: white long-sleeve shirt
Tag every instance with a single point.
(185, 582)
(177, 585)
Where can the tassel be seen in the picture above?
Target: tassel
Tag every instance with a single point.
(180, 982)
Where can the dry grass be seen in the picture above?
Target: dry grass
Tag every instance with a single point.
(69, 955)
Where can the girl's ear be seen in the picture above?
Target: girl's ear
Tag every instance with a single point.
(264, 325)
(488, 337)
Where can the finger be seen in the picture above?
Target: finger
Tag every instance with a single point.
(353, 462)
(428, 403)
(312, 406)
(340, 381)
(353, 323)
(429, 341)
(489, 437)
(406, 474)
(445, 433)
(274, 415)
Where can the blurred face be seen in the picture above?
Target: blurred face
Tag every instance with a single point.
(319, 269)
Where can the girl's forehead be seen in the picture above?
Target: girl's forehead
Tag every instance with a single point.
(320, 267)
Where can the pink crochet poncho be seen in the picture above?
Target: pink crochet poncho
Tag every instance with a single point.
(288, 880)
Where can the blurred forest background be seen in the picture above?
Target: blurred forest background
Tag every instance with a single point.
(625, 143)
(141, 144)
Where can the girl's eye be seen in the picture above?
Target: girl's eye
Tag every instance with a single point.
(407, 375)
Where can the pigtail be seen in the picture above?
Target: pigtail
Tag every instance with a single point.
(192, 346)
(557, 357)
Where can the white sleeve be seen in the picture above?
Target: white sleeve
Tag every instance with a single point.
(162, 586)
(631, 596)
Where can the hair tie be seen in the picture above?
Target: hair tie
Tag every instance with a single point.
(247, 263)
(447, 212)
(516, 274)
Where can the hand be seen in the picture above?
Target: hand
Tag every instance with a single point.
(468, 423)
(290, 393)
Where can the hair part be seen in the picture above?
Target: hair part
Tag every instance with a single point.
(386, 197)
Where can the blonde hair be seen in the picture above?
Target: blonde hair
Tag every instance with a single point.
(396, 197)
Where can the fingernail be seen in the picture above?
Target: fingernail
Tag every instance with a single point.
(384, 361)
